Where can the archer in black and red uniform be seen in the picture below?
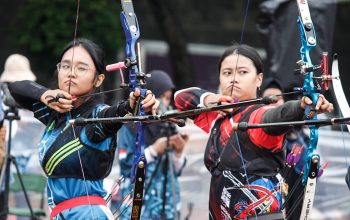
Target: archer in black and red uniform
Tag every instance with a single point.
(245, 165)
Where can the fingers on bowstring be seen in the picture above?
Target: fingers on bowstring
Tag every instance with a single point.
(60, 107)
(59, 103)
(60, 97)
(50, 99)
(225, 100)
(64, 100)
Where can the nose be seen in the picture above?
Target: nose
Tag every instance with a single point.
(71, 73)
(234, 78)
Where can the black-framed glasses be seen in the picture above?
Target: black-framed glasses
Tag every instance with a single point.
(80, 69)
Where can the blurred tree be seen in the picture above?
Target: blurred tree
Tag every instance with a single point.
(46, 26)
(179, 23)
(166, 14)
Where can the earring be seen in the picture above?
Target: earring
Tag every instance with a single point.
(258, 88)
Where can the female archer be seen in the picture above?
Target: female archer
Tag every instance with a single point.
(76, 159)
(245, 165)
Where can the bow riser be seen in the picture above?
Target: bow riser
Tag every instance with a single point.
(308, 42)
(136, 81)
(311, 167)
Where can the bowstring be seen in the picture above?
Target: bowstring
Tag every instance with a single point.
(69, 113)
(245, 16)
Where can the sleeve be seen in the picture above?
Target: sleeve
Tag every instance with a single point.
(119, 110)
(272, 138)
(193, 98)
(259, 136)
(190, 98)
(26, 93)
(289, 111)
(179, 164)
(99, 131)
(126, 148)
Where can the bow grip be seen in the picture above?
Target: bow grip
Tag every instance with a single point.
(310, 111)
(138, 110)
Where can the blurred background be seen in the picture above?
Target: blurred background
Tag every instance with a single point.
(186, 38)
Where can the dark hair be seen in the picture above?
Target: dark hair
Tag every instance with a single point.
(95, 52)
(245, 50)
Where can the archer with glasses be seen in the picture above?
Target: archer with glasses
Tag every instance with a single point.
(77, 159)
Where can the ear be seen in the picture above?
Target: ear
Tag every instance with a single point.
(99, 80)
(259, 79)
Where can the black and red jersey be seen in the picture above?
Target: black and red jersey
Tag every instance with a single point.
(263, 153)
(244, 164)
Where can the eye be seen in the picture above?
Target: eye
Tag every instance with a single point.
(65, 66)
(226, 73)
(82, 68)
(242, 72)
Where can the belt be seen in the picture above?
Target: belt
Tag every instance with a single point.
(77, 201)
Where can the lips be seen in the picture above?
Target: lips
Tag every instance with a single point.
(69, 83)
(233, 88)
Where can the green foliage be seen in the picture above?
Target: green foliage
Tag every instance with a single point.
(44, 27)
(48, 25)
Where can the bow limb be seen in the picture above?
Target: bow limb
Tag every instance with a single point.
(342, 103)
(338, 90)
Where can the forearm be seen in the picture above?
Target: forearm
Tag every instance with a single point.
(26, 92)
(190, 98)
(119, 110)
(99, 131)
(289, 111)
